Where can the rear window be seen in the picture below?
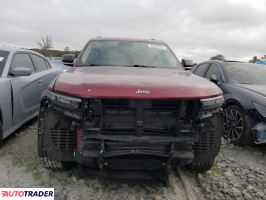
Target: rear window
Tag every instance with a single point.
(3, 58)
(39, 63)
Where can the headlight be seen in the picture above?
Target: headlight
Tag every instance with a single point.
(260, 108)
(212, 103)
(64, 101)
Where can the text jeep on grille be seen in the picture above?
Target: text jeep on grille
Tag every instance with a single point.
(129, 104)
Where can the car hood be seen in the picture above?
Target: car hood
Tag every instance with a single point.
(132, 82)
(259, 89)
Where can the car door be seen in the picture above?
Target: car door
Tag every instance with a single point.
(43, 67)
(26, 89)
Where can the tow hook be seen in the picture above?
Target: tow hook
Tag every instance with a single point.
(259, 131)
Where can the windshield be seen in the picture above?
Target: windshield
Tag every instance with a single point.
(128, 53)
(3, 58)
(246, 73)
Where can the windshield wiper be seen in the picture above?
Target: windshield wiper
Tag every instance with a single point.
(142, 66)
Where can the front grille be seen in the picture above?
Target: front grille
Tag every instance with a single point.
(143, 117)
(155, 128)
(63, 139)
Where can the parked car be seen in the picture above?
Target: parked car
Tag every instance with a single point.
(24, 75)
(244, 88)
(261, 61)
(64, 62)
(59, 64)
(188, 64)
(129, 104)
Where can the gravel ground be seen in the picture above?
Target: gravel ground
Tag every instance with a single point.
(239, 173)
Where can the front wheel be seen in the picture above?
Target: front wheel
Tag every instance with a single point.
(48, 162)
(47, 151)
(201, 166)
(238, 126)
(209, 144)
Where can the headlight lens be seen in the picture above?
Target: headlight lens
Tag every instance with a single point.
(64, 101)
(260, 108)
(212, 103)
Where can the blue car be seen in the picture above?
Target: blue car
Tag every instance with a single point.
(244, 88)
(263, 62)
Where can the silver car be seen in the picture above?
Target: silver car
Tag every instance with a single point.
(24, 75)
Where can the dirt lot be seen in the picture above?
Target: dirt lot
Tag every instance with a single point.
(239, 173)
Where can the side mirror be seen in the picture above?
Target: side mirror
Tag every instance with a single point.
(214, 79)
(21, 71)
(187, 64)
(68, 59)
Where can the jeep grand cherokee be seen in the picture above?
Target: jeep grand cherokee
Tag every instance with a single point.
(129, 104)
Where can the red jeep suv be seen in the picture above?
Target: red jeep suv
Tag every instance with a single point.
(129, 104)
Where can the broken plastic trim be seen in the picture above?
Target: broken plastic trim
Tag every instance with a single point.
(209, 113)
(259, 131)
(63, 100)
(212, 103)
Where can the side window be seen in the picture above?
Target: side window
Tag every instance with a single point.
(47, 64)
(201, 70)
(22, 60)
(39, 63)
(3, 58)
(214, 70)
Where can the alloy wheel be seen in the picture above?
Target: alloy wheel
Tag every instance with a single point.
(234, 124)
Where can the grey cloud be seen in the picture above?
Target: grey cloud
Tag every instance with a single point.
(193, 28)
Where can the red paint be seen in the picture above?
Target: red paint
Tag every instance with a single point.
(79, 140)
(123, 82)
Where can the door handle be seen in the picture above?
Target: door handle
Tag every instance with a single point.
(39, 81)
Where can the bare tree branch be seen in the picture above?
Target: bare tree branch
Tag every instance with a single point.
(45, 43)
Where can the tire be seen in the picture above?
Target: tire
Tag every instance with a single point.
(238, 126)
(45, 159)
(206, 151)
(48, 161)
(201, 166)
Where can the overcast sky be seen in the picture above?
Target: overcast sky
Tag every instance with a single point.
(195, 29)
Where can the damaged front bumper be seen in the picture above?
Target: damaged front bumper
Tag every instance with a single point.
(130, 134)
(134, 152)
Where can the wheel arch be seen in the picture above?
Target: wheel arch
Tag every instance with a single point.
(231, 102)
